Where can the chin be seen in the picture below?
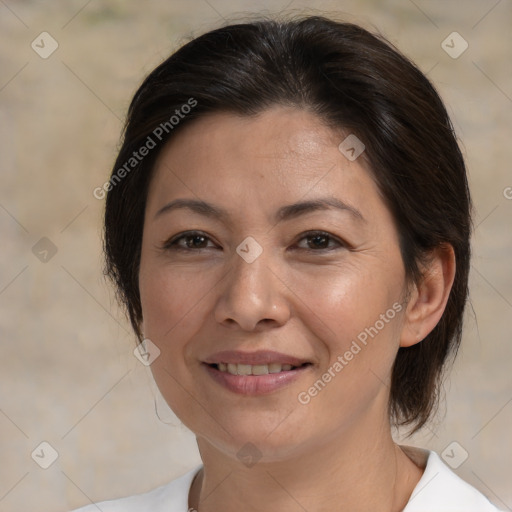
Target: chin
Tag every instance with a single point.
(249, 448)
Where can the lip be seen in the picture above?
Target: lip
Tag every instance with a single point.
(252, 358)
(254, 385)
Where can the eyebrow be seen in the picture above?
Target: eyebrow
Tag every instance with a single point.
(287, 212)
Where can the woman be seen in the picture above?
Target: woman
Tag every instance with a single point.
(288, 225)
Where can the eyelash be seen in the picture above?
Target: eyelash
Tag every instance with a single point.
(172, 244)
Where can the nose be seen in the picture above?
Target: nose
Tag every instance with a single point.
(253, 297)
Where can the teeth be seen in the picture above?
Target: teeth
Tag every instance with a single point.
(260, 369)
(244, 369)
(275, 367)
(257, 369)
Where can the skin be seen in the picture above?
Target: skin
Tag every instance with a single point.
(336, 452)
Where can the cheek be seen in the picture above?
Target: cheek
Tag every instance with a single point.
(356, 317)
(172, 312)
(350, 312)
(171, 301)
(346, 300)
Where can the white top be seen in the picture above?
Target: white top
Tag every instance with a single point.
(439, 490)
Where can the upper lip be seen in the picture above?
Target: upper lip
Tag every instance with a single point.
(254, 358)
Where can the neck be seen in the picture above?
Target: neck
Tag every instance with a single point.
(354, 471)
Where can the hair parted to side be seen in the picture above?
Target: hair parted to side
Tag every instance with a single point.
(354, 81)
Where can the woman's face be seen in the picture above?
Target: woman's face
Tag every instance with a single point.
(241, 281)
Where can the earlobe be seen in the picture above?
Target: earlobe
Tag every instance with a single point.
(427, 301)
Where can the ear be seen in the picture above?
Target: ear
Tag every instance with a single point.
(429, 297)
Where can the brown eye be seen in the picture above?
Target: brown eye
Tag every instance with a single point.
(317, 241)
(189, 241)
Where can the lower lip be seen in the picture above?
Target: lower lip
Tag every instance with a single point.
(253, 385)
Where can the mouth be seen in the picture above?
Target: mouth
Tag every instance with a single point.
(256, 373)
(256, 369)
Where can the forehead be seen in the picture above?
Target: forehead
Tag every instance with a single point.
(280, 155)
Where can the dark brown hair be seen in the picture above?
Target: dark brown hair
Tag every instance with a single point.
(354, 81)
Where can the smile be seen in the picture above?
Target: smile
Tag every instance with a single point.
(256, 369)
(254, 380)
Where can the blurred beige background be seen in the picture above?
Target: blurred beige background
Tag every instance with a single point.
(68, 374)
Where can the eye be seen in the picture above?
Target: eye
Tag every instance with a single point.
(316, 241)
(192, 240)
(319, 241)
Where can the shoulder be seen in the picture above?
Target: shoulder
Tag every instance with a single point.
(171, 497)
(440, 489)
